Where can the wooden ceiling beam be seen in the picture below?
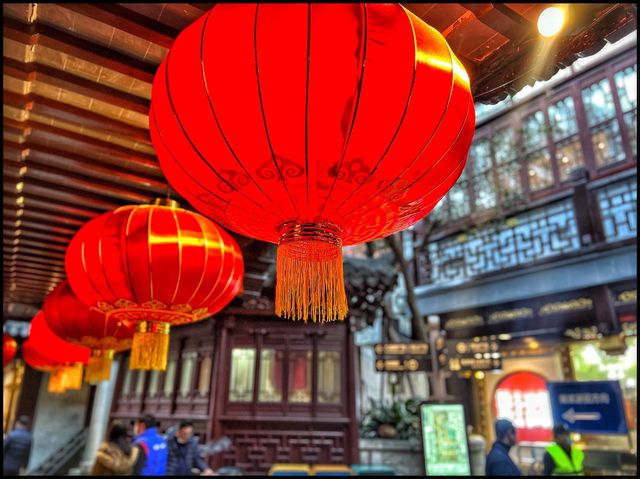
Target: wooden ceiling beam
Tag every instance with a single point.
(34, 203)
(126, 20)
(62, 111)
(512, 26)
(61, 79)
(37, 252)
(23, 263)
(28, 234)
(146, 168)
(29, 258)
(38, 34)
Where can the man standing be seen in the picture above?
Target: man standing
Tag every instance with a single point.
(499, 463)
(16, 447)
(561, 458)
(183, 452)
(152, 458)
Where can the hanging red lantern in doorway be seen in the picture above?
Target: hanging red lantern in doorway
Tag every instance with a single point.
(9, 349)
(313, 126)
(73, 321)
(65, 359)
(154, 266)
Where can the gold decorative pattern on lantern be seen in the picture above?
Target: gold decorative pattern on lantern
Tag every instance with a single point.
(458, 323)
(507, 315)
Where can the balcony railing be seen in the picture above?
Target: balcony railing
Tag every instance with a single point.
(527, 238)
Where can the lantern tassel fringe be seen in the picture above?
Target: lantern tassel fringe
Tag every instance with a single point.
(99, 366)
(310, 280)
(66, 377)
(150, 346)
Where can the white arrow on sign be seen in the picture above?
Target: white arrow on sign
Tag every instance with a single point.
(572, 416)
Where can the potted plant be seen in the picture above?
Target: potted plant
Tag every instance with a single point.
(391, 420)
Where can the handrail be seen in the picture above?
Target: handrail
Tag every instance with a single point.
(52, 465)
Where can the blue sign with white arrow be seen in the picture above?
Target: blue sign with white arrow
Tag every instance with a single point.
(592, 407)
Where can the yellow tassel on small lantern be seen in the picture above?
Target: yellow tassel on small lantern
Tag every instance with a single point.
(55, 383)
(150, 347)
(310, 278)
(99, 366)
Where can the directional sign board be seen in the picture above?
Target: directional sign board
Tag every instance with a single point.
(592, 407)
(398, 357)
(474, 355)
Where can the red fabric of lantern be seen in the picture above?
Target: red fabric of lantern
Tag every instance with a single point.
(312, 126)
(72, 320)
(66, 359)
(154, 266)
(9, 349)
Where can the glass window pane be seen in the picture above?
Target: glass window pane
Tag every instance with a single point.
(627, 85)
(562, 116)
(300, 377)
(539, 169)
(598, 102)
(270, 376)
(569, 156)
(140, 377)
(459, 200)
(484, 191)
(480, 156)
(189, 360)
(204, 381)
(510, 184)
(607, 143)
(631, 120)
(243, 363)
(154, 380)
(169, 377)
(504, 145)
(329, 379)
(533, 131)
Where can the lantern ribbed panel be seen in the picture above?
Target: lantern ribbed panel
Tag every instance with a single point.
(154, 263)
(49, 345)
(358, 116)
(70, 319)
(9, 349)
(150, 267)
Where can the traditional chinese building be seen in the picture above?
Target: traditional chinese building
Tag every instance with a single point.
(535, 246)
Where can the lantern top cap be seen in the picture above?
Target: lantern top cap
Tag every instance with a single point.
(166, 202)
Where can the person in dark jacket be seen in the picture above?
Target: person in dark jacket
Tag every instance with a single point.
(16, 448)
(184, 456)
(499, 463)
(152, 456)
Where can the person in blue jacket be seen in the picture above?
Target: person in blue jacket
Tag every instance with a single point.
(499, 463)
(16, 447)
(152, 458)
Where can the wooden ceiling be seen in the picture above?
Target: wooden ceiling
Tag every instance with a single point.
(77, 85)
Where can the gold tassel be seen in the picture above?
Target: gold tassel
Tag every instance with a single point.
(55, 383)
(66, 377)
(99, 366)
(309, 274)
(150, 347)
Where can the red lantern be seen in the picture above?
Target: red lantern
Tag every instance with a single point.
(9, 349)
(153, 266)
(72, 320)
(313, 126)
(64, 360)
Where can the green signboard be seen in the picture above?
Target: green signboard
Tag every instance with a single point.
(444, 440)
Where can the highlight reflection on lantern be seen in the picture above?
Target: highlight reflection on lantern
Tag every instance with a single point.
(359, 116)
(73, 321)
(153, 266)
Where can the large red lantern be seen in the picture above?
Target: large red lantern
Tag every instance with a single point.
(64, 360)
(154, 266)
(313, 126)
(9, 349)
(73, 321)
